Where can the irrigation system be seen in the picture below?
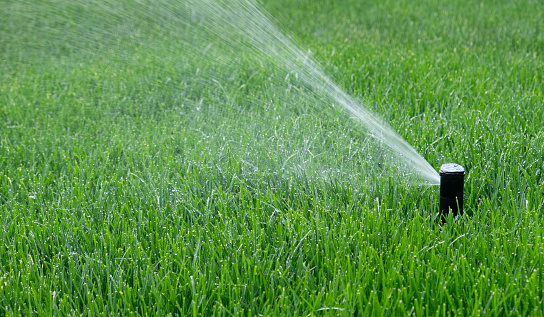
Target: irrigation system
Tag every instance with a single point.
(452, 177)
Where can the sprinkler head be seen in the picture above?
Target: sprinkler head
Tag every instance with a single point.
(452, 177)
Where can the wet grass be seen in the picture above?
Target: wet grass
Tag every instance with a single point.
(133, 186)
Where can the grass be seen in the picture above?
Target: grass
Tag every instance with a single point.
(131, 185)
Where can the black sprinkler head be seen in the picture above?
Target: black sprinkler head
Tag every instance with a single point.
(452, 177)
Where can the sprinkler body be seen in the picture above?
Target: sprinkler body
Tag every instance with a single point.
(452, 177)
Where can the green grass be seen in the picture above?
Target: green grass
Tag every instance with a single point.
(131, 185)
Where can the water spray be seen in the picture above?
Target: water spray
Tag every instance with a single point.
(452, 177)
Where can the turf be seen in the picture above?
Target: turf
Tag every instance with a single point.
(132, 186)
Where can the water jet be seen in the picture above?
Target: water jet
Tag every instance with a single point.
(216, 47)
(452, 177)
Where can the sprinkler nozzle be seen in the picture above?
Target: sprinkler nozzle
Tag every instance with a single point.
(452, 177)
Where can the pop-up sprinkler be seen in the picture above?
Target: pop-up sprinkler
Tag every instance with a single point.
(452, 177)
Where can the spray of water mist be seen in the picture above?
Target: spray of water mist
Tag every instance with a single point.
(229, 25)
(245, 22)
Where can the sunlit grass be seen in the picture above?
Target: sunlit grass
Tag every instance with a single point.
(130, 184)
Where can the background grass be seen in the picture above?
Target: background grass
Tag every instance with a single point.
(130, 185)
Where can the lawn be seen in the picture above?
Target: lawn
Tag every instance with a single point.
(148, 166)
